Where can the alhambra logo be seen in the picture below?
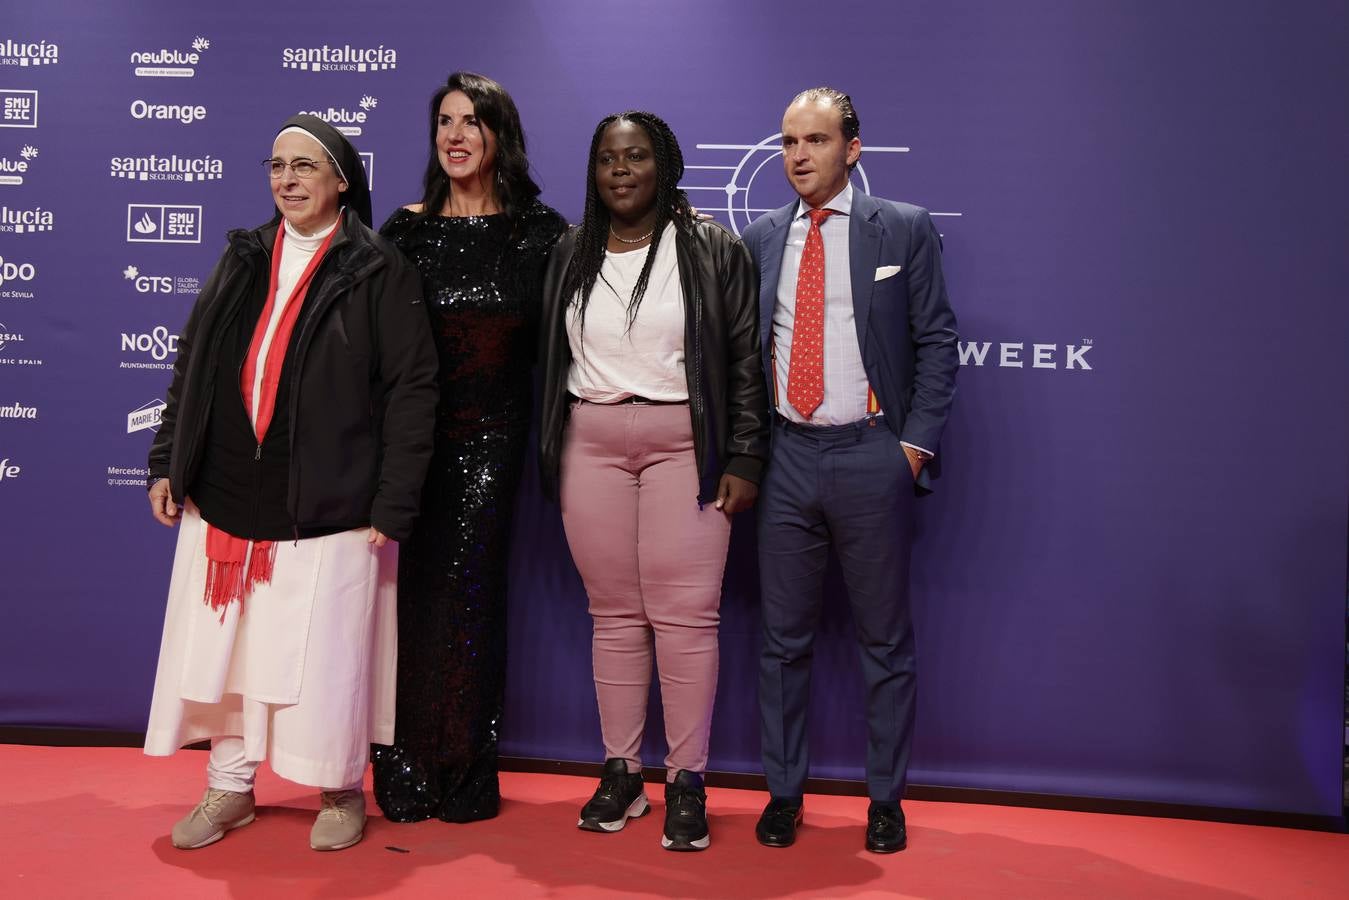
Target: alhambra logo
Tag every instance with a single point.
(346, 58)
(13, 170)
(166, 63)
(29, 53)
(25, 221)
(348, 121)
(167, 168)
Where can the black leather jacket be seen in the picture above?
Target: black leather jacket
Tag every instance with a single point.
(728, 399)
(362, 388)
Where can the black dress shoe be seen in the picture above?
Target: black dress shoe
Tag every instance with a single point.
(778, 823)
(886, 832)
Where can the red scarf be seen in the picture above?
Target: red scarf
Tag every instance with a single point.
(235, 565)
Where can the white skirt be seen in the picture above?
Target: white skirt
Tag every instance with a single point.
(304, 672)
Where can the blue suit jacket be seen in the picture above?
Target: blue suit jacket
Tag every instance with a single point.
(905, 326)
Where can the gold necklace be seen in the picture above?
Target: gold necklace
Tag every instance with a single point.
(631, 240)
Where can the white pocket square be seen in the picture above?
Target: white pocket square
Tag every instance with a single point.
(884, 272)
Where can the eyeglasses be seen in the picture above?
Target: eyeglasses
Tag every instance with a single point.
(303, 168)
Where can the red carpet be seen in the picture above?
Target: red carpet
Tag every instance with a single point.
(94, 823)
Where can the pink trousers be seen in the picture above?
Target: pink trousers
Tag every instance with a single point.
(652, 563)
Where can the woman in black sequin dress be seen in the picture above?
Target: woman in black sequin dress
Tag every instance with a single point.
(480, 238)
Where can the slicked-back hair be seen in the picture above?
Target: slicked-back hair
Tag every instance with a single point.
(493, 106)
(852, 126)
(672, 204)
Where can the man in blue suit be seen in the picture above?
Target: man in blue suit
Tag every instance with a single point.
(859, 342)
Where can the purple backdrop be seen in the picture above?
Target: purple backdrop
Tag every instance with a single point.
(1131, 581)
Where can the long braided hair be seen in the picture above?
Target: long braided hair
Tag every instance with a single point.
(593, 235)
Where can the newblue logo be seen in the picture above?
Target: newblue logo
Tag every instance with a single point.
(146, 417)
(18, 108)
(350, 122)
(346, 58)
(26, 221)
(18, 411)
(163, 223)
(167, 168)
(31, 53)
(165, 63)
(1023, 355)
(182, 113)
(13, 170)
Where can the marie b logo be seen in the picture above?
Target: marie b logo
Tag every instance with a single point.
(29, 53)
(146, 417)
(346, 58)
(13, 170)
(165, 63)
(162, 223)
(18, 109)
(349, 121)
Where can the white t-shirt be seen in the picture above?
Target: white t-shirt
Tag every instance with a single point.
(646, 360)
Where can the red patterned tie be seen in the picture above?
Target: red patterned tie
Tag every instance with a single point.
(805, 370)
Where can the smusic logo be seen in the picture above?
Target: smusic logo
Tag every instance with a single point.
(348, 121)
(167, 168)
(146, 417)
(165, 63)
(163, 223)
(346, 58)
(18, 109)
(34, 53)
(25, 221)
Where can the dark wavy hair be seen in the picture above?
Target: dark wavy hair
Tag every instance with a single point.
(592, 238)
(514, 188)
(848, 120)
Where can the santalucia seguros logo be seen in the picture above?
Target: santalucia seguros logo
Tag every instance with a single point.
(346, 58)
(26, 221)
(167, 168)
(29, 53)
(166, 63)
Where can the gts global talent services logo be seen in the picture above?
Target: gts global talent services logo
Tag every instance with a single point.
(348, 121)
(346, 58)
(25, 221)
(166, 63)
(163, 223)
(29, 53)
(13, 170)
(167, 168)
(161, 284)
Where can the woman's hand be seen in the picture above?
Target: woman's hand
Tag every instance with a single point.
(735, 493)
(376, 537)
(162, 506)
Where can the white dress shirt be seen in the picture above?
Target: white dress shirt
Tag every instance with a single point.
(845, 378)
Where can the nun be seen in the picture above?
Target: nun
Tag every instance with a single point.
(291, 456)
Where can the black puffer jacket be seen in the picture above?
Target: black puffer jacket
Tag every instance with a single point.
(359, 391)
(728, 399)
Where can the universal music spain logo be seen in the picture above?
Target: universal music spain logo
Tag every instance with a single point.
(163, 223)
(346, 58)
(166, 63)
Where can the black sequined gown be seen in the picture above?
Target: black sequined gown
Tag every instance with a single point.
(482, 276)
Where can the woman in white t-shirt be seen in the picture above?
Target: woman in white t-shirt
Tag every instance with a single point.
(654, 431)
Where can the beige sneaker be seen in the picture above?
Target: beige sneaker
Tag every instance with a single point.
(217, 813)
(341, 820)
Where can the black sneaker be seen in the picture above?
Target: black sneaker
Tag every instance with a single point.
(685, 813)
(618, 798)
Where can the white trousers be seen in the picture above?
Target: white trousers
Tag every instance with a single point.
(230, 769)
